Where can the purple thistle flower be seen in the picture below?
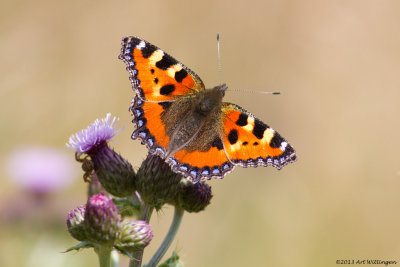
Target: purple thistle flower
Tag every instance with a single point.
(115, 173)
(98, 132)
(41, 169)
(102, 219)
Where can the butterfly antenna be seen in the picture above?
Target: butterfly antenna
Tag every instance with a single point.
(219, 61)
(255, 91)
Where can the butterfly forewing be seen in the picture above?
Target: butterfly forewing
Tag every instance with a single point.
(155, 75)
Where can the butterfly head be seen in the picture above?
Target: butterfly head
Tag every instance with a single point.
(210, 99)
(223, 87)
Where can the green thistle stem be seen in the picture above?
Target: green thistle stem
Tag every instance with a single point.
(146, 213)
(104, 253)
(114, 259)
(173, 229)
(145, 216)
(134, 200)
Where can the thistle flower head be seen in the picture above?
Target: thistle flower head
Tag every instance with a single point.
(100, 131)
(40, 169)
(75, 223)
(102, 219)
(115, 173)
(194, 197)
(134, 235)
(156, 183)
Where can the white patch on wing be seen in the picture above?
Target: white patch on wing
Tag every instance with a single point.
(236, 146)
(283, 146)
(250, 124)
(156, 56)
(268, 135)
(171, 70)
(141, 45)
(156, 90)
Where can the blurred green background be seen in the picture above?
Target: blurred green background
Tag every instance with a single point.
(336, 63)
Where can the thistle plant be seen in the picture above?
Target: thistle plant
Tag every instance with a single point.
(121, 201)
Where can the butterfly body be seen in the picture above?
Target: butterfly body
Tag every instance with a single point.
(189, 126)
(194, 122)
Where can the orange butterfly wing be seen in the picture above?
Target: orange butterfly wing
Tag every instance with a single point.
(155, 75)
(158, 78)
(149, 127)
(250, 143)
(199, 165)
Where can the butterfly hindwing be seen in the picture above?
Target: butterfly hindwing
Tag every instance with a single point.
(201, 164)
(149, 127)
(155, 75)
(250, 143)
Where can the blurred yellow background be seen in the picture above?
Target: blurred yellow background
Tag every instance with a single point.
(336, 64)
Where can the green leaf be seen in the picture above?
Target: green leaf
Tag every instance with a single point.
(83, 244)
(173, 261)
(124, 252)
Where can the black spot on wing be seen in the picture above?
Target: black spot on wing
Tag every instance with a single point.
(148, 50)
(155, 80)
(245, 143)
(152, 71)
(166, 62)
(242, 120)
(167, 89)
(217, 143)
(276, 140)
(180, 75)
(259, 128)
(255, 144)
(233, 136)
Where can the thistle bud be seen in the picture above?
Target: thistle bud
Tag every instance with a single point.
(134, 235)
(194, 197)
(75, 223)
(102, 219)
(156, 183)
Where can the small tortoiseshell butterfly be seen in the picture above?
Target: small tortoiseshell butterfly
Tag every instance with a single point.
(189, 126)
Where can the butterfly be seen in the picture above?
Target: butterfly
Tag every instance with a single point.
(189, 126)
